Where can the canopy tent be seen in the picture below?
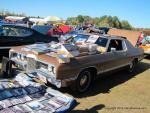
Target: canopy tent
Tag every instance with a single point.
(52, 19)
(16, 18)
(35, 20)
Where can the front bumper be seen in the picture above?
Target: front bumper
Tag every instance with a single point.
(48, 78)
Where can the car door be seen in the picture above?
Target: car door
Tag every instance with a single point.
(115, 57)
(14, 36)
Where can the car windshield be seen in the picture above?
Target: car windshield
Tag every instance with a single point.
(102, 42)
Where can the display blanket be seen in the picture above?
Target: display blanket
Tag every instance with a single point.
(24, 95)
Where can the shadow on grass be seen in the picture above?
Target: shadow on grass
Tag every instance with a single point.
(91, 110)
(106, 83)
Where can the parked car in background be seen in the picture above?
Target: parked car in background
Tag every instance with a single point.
(77, 63)
(13, 35)
(145, 44)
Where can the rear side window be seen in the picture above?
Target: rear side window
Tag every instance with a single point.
(117, 44)
(15, 31)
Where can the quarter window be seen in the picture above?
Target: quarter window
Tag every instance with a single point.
(119, 45)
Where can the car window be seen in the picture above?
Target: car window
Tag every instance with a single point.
(117, 44)
(102, 42)
(15, 31)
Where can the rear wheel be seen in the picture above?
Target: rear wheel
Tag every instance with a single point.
(131, 66)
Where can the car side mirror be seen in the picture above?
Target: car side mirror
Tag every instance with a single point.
(113, 49)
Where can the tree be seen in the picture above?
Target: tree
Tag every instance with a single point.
(80, 18)
(103, 21)
(126, 25)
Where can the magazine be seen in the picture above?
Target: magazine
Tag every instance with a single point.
(15, 92)
(60, 101)
(24, 98)
(16, 109)
(42, 98)
(5, 103)
(1, 107)
(51, 105)
(23, 83)
(36, 96)
(11, 85)
(5, 85)
(43, 111)
(1, 87)
(5, 94)
(25, 108)
(21, 91)
(35, 105)
(31, 89)
(15, 101)
(46, 110)
(16, 84)
(48, 96)
(6, 110)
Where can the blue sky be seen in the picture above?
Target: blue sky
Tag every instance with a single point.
(137, 12)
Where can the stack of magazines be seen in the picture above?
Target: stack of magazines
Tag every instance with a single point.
(23, 95)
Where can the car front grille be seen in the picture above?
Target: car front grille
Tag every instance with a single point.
(31, 64)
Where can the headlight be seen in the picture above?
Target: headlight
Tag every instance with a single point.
(52, 69)
(18, 56)
(41, 65)
(12, 54)
(23, 57)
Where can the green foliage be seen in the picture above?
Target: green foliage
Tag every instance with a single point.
(8, 13)
(104, 21)
(126, 25)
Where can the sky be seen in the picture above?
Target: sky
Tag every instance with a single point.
(137, 12)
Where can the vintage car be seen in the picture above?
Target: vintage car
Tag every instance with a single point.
(78, 62)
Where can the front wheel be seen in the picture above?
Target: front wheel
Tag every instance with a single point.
(84, 81)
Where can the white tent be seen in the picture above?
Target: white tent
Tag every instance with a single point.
(35, 20)
(52, 19)
(15, 18)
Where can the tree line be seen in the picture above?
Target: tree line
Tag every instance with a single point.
(5, 13)
(104, 21)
